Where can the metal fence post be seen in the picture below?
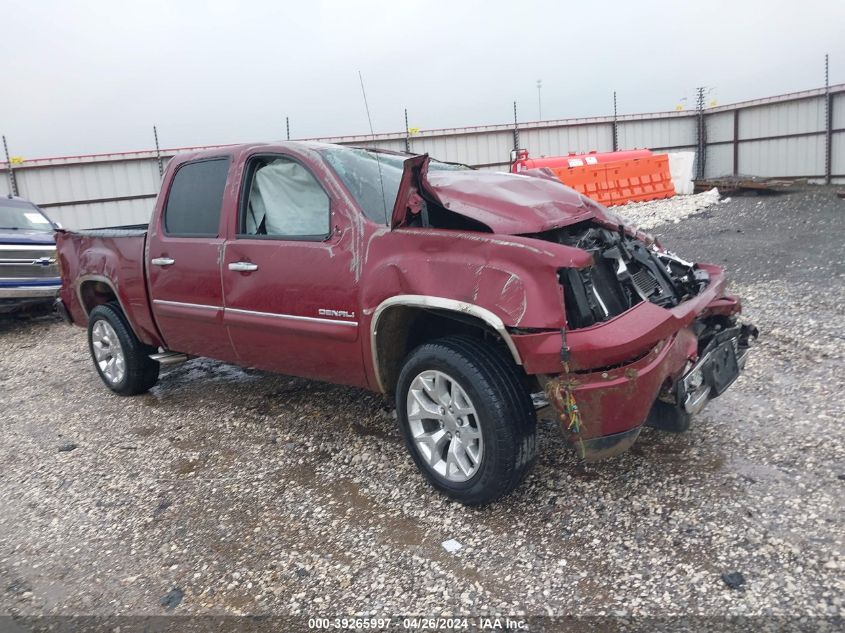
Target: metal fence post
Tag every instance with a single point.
(158, 154)
(10, 174)
(828, 119)
(702, 133)
(615, 126)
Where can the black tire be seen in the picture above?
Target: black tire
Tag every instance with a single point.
(141, 372)
(506, 416)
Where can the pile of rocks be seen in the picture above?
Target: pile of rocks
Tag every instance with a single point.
(647, 215)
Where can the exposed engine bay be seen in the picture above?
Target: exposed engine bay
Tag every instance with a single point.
(626, 271)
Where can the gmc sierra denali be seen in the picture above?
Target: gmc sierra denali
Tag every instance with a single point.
(473, 298)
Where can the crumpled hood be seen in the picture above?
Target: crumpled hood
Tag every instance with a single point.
(511, 204)
(23, 236)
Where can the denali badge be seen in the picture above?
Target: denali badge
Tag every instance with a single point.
(336, 313)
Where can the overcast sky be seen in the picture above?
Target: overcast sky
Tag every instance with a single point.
(81, 77)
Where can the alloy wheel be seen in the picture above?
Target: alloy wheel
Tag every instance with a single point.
(445, 426)
(108, 353)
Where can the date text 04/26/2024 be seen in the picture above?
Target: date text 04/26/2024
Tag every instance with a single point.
(420, 624)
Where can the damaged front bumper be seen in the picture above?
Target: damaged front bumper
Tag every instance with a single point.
(651, 360)
(603, 412)
(646, 337)
(718, 367)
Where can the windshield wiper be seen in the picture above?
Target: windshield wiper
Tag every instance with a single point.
(10, 228)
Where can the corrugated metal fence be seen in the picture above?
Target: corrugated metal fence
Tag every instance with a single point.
(796, 135)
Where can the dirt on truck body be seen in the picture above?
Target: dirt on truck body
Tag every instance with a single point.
(470, 297)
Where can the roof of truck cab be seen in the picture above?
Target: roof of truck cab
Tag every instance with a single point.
(276, 146)
(232, 150)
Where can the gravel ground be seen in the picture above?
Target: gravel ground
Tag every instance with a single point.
(225, 491)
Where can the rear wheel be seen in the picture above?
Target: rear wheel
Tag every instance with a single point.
(122, 361)
(467, 419)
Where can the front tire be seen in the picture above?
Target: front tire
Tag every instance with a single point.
(466, 418)
(122, 361)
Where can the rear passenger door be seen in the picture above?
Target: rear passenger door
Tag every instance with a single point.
(288, 282)
(184, 252)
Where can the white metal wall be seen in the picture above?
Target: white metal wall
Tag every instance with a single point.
(793, 156)
(719, 159)
(669, 132)
(776, 136)
(838, 136)
(94, 181)
(559, 141)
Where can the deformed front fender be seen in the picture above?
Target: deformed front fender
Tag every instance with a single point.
(513, 277)
(436, 303)
(504, 282)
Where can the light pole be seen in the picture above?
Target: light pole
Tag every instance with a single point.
(540, 99)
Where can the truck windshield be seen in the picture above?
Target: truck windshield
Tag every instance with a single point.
(359, 171)
(20, 215)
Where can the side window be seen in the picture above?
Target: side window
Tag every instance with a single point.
(196, 194)
(285, 201)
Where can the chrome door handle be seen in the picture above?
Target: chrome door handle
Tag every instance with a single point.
(243, 267)
(163, 261)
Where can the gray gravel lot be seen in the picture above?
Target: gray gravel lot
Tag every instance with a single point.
(254, 493)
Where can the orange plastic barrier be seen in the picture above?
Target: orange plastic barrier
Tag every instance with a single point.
(615, 183)
(591, 180)
(640, 179)
(572, 159)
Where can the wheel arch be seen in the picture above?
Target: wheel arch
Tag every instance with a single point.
(95, 290)
(391, 337)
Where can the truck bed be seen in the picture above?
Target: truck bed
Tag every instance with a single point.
(130, 230)
(102, 265)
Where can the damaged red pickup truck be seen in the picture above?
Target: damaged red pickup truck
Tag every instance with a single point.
(474, 298)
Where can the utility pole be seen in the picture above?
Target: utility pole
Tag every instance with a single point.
(539, 100)
(158, 154)
(702, 137)
(515, 130)
(287, 126)
(13, 183)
